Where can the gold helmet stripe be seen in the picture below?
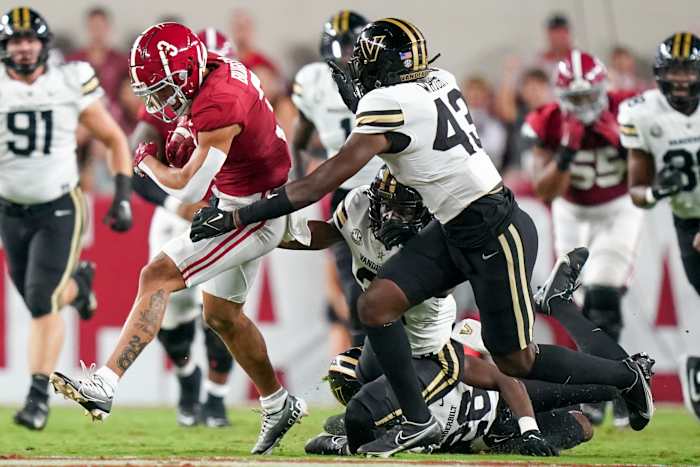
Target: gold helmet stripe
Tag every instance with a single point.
(676, 45)
(15, 18)
(26, 24)
(411, 37)
(423, 62)
(686, 46)
(336, 22)
(345, 24)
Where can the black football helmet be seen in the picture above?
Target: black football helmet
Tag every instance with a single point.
(679, 52)
(396, 211)
(387, 52)
(339, 34)
(342, 375)
(23, 22)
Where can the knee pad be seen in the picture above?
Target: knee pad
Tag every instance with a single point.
(177, 342)
(219, 357)
(602, 307)
(359, 424)
(38, 301)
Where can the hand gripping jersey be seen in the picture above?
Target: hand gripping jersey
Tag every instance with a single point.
(258, 159)
(428, 324)
(649, 123)
(599, 170)
(37, 131)
(316, 96)
(444, 160)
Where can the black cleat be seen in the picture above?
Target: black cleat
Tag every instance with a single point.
(91, 391)
(326, 444)
(403, 436)
(563, 280)
(214, 413)
(188, 409)
(85, 302)
(594, 412)
(33, 415)
(638, 397)
(276, 424)
(335, 425)
(690, 380)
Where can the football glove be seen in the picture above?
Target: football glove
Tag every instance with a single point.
(669, 181)
(119, 217)
(532, 443)
(345, 86)
(210, 221)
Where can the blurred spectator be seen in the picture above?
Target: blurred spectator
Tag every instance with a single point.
(492, 133)
(622, 71)
(110, 65)
(559, 43)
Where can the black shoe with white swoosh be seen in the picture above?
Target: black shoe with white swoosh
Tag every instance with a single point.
(403, 436)
(326, 444)
(690, 380)
(563, 280)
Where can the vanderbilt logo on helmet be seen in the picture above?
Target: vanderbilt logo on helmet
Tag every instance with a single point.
(370, 47)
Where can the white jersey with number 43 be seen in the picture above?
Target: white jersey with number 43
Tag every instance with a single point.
(37, 131)
(316, 96)
(649, 123)
(428, 324)
(443, 158)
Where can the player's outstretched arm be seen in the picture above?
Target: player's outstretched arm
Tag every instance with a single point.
(190, 183)
(103, 127)
(357, 151)
(323, 235)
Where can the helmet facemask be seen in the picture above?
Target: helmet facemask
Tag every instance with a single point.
(585, 101)
(679, 82)
(165, 99)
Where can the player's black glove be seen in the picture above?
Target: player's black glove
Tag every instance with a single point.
(210, 221)
(668, 183)
(345, 86)
(119, 217)
(392, 234)
(532, 443)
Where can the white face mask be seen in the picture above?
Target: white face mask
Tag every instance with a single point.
(587, 105)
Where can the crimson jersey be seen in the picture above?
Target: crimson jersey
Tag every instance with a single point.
(599, 170)
(258, 159)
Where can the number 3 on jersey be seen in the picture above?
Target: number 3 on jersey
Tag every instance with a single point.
(451, 131)
(23, 126)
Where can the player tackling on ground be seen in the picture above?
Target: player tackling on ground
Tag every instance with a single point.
(661, 130)
(415, 118)
(242, 149)
(42, 209)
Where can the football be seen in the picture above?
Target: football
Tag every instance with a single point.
(179, 146)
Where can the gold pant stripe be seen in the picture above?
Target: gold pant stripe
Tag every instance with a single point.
(513, 291)
(523, 277)
(74, 253)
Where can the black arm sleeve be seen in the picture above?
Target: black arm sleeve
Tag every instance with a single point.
(148, 190)
(275, 205)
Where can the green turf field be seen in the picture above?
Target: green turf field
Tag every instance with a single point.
(672, 438)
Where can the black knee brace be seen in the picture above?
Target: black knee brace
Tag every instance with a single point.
(177, 342)
(359, 425)
(219, 357)
(602, 307)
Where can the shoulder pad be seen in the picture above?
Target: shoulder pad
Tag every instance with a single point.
(81, 76)
(543, 122)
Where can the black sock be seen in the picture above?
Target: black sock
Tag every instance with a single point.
(588, 336)
(565, 366)
(390, 344)
(214, 400)
(549, 396)
(359, 425)
(190, 386)
(39, 389)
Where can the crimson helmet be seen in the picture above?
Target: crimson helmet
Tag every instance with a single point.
(580, 83)
(167, 66)
(217, 42)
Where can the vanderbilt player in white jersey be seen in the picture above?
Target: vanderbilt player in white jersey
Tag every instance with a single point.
(42, 210)
(322, 109)
(661, 130)
(415, 118)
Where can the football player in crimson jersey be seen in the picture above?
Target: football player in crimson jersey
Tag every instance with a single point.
(241, 149)
(415, 118)
(579, 166)
(170, 219)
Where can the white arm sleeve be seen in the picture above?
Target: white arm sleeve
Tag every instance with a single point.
(197, 186)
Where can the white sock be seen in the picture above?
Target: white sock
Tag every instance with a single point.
(275, 401)
(187, 369)
(217, 390)
(109, 377)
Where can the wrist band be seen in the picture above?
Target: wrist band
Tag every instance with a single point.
(649, 196)
(275, 204)
(564, 158)
(527, 424)
(122, 187)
